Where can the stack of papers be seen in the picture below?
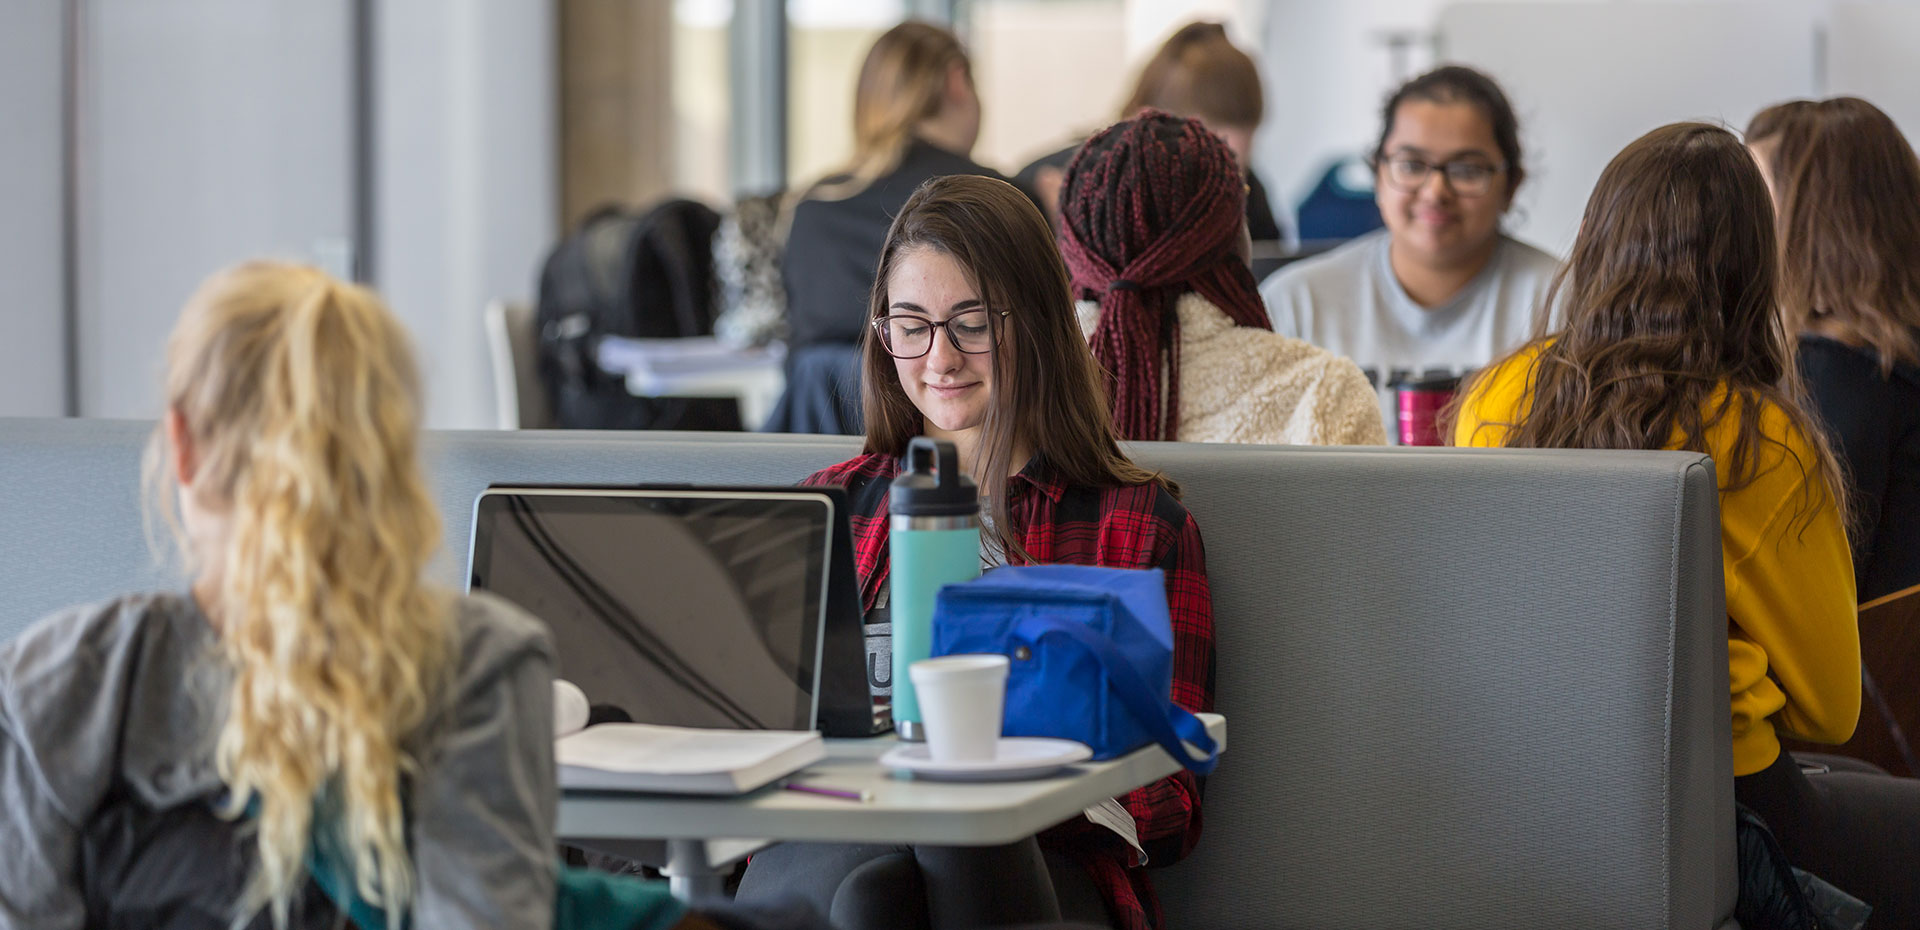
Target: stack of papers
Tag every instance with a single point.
(681, 760)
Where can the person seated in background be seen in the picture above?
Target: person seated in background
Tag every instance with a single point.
(172, 759)
(915, 116)
(1846, 185)
(1673, 340)
(974, 341)
(1155, 241)
(1197, 72)
(1441, 287)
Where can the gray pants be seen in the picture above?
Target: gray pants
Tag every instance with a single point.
(868, 887)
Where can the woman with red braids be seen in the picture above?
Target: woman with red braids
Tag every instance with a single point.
(1153, 229)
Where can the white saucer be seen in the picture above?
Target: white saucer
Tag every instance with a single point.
(1015, 758)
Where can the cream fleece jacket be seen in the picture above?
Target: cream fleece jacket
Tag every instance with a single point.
(1240, 384)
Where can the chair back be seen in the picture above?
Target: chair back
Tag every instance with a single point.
(1463, 688)
(520, 399)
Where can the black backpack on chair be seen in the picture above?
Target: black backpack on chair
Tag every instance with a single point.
(643, 275)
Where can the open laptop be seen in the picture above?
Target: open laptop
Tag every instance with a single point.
(707, 607)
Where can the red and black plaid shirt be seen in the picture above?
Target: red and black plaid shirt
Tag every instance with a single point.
(1116, 527)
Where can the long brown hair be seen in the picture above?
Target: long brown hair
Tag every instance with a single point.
(1847, 186)
(1199, 72)
(1046, 392)
(1669, 298)
(1153, 208)
(902, 82)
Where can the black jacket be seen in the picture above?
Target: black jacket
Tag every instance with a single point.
(834, 245)
(1873, 421)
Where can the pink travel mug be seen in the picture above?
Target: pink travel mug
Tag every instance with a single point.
(1418, 402)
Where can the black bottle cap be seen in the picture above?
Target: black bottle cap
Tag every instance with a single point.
(932, 484)
(1433, 379)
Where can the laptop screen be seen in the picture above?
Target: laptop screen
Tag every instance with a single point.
(687, 608)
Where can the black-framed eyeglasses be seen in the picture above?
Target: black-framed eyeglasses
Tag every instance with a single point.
(910, 335)
(1469, 177)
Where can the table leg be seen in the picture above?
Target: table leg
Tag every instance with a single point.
(691, 874)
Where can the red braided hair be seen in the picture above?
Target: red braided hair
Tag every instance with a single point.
(1151, 209)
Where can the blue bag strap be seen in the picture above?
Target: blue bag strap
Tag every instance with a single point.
(1169, 723)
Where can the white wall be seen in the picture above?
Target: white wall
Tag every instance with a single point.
(211, 132)
(1588, 78)
(467, 185)
(33, 348)
(1016, 47)
(1326, 73)
(1870, 53)
(1149, 22)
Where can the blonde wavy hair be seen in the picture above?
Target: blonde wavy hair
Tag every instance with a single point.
(902, 83)
(300, 399)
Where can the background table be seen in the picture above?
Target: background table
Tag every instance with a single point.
(704, 834)
(698, 367)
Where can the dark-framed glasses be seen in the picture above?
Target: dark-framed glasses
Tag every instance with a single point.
(910, 335)
(1469, 177)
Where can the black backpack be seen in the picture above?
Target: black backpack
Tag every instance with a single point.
(644, 275)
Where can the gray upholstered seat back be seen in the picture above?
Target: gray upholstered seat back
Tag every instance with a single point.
(1464, 688)
(71, 501)
(70, 517)
(463, 464)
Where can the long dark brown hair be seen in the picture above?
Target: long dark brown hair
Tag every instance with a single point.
(1046, 392)
(1669, 296)
(1151, 209)
(1847, 186)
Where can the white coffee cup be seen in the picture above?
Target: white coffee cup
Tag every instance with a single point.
(961, 701)
(570, 709)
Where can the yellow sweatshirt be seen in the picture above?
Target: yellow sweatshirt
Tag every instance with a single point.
(1793, 635)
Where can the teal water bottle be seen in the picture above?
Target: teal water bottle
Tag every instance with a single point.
(934, 541)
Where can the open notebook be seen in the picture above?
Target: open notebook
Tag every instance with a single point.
(681, 760)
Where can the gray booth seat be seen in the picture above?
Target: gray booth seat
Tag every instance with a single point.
(1465, 688)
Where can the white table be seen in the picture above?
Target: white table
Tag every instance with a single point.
(698, 367)
(703, 835)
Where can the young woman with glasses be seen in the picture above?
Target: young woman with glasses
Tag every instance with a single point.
(973, 339)
(1441, 287)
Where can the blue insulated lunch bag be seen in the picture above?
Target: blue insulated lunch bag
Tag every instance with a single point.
(1090, 652)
